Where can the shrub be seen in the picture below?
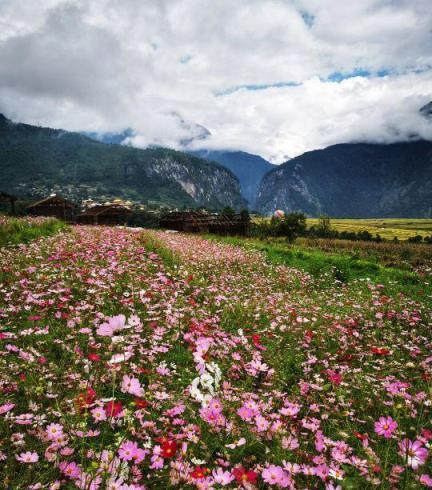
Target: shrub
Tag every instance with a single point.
(290, 226)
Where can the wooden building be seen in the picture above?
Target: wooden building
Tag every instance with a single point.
(189, 221)
(9, 200)
(105, 214)
(55, 206)
(196, 222)
(235, 224)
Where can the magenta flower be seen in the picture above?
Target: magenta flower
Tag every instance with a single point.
(132, 386)
(426, 480)
(72, 470)
(27, 457)
(385, 426)
(6, 408)
(413, 452)
(275, 475)
(53, 431)
(222, 477)
(109, 328)
(98, 414)
(128, 450)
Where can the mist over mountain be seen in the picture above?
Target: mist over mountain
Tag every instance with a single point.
(35, 160)
(111, 138)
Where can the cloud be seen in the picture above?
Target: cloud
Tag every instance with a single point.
(273, 77)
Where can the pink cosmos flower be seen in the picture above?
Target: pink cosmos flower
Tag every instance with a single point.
(222, 477)
(290, 442)
(109, 328)
(385, 426)
(132, 385)
(274, 475)
(290, 409)
(245, 413)
(53, 431)
(213, 415)
(128, 450)
(6, 408)
(24, 419)
(261, 423)
(27, 457)
(413, 452)
(72, 470)
(426, 480)
(98, 414)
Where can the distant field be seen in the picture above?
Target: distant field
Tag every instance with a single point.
(387, 228)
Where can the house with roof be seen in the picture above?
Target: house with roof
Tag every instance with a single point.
(55, 206)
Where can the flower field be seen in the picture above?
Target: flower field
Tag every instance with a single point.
(149, 360)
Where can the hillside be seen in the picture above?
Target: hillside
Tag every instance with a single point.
(248, 168)
(357, 180)
(36, 160)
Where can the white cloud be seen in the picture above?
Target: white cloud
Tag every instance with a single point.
(104, 65)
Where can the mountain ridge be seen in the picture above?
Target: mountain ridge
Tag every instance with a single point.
(248, 168)
(354, 180)
(35, 159)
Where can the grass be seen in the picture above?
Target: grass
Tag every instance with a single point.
(386, 228)
(403, 255)
(339, 266)
(14, 231)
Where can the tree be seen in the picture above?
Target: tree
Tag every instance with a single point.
(244, 215)
(228, 211)
(291, 226)
(324, 225)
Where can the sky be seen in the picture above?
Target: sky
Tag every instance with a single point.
(271, 77)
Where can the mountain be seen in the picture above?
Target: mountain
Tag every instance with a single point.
(248, 168)
(36, 160)
(354, 180)
(426, 110)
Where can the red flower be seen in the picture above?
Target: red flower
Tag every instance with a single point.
(427, 434)
(140, 403)
(334, 377)
(380, 351)
(242, 475)
(168, 449)
(199, 472)
(360, 436)
(85, 399)
(256, 341)
(113, 408)
(93, 357)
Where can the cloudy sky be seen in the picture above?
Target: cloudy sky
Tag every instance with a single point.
(272, 77)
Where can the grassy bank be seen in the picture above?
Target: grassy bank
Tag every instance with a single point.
(336, 265)
(387, 228)
(22, 230)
